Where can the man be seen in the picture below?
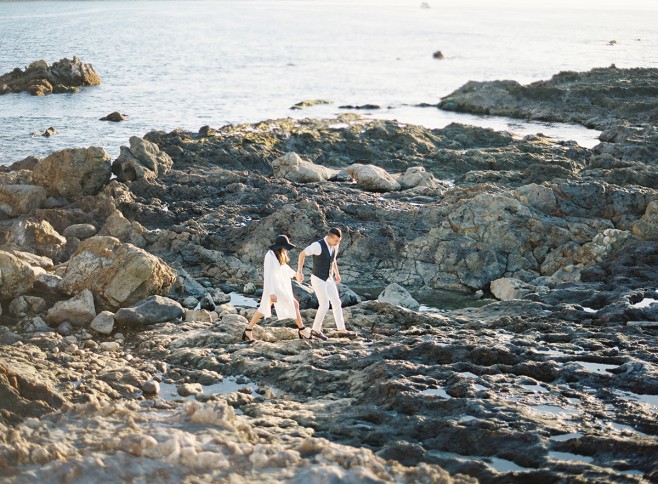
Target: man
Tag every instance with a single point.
(324, 279)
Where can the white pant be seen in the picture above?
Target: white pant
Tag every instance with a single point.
(327, 292)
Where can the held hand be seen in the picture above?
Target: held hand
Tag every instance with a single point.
(338, 279)
(299, 277)
(273, 298)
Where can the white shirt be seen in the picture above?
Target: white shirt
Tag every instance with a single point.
(316, 249)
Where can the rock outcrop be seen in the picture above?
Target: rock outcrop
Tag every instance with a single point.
(117, 274)
(74, 172)
(142, 160)
(40, 79)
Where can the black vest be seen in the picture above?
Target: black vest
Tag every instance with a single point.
(322, 263)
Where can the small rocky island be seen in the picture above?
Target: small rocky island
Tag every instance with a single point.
(121, 322)
(39, 78)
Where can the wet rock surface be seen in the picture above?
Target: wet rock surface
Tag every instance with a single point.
(121, 312)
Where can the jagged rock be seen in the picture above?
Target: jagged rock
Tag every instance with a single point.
(153, 309)
(398, 296)
(116, 225)
(16, 277)
(39, 78)
(74, 172)
(80, 231)
(16, 200)
(34, 325)
(142, 160)
(115, 117)
(103, 322)
(509, 288)
(647, 227)
(27, 305)
(38, 236)
(117, 274)
(79, 310)
(307, 104)
(293, 168)
(372, 178)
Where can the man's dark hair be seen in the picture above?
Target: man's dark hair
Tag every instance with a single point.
(336, 231)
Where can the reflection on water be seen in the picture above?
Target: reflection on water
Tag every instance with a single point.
(169, 391)
(568, 456)
(596, 367)
(431, 300)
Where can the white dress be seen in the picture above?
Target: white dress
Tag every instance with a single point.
(277, 280)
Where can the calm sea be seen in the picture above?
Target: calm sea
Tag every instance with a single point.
(185, 64)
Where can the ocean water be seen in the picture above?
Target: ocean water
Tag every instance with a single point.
(185, 64)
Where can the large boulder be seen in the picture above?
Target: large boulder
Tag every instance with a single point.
(117, 274)
(103, 323)
(116, 225)
(647, 227)
(80, 231)
(152, 310)
(39, 78)
(79, 310)
(74, 172)
(142, 160)
(16, 277)
(509, 288)
(39, 236)
(417, 176)
(293, 168)
(397, 295)
(18, 200)
(373, 178)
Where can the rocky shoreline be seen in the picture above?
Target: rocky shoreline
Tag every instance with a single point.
(121, 314)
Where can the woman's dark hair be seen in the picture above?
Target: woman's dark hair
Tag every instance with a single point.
(282, 256)
(336, 231)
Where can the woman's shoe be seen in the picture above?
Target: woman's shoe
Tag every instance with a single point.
(247, 338)
(302, 335)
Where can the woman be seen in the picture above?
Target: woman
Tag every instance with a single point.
(277, 290)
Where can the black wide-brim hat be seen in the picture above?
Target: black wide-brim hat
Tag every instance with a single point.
(281, 242)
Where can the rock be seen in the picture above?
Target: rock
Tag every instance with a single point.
(117, 274)
(398, 296)
(115, 117)
(80, 231)
(153, 309)
(110, 346)
(16, 277)
(200, 315)
(188, 389)
(142, 160)
(74, 172)
(103, 323)
(38, 236)
(65, 329)
(373, 178)
(151, 387)
(116, 225)
(647, 227)
(307, 104)
(416, 176)
(27, 305)
(508, 288)
(207, 132)
(49, 132)
(79, 310)
(35, 325)
(39, 78)
(367, 107)
(190, 302)
(208, 303)
(249, 289)
(16, 200)
(438, 55)
(293, 168)
(347, 296)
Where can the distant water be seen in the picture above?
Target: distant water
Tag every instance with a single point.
(170, 64)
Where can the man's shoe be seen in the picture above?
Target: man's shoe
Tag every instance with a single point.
(319, 334)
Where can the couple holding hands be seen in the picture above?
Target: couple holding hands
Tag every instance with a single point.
(277, 285)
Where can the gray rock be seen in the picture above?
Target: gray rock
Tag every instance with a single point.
(103, 323)
(80, 231)
(26, 305)
(37, 236)
(35, 325)
(115, 117)
(153, 309)
(417, 176)
(509, 288)
(188, 389)
(142, 160)
(65, 329)
(347, 296)
(110, 346)
(293, 168)
(372, 178)
(398, 296)
(151, 387)
(190, 302)
(249, 288)
(16, 276)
